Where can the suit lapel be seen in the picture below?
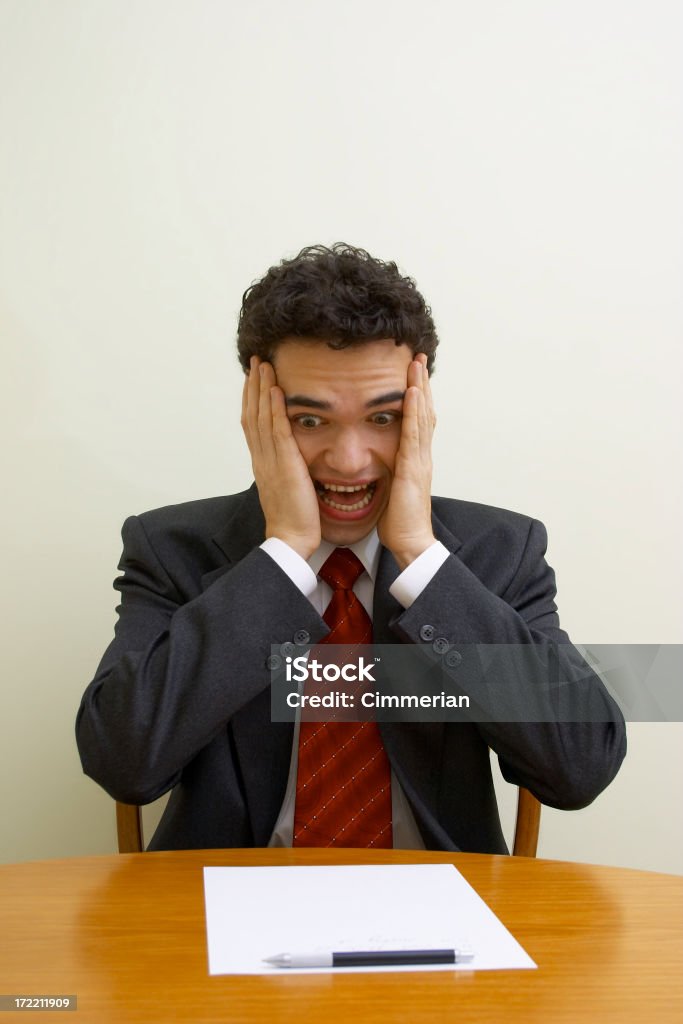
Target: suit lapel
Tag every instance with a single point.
(385, 607)
(447, 538)
(263, 749)
(243, 531)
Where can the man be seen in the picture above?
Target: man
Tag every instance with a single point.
(338, 539)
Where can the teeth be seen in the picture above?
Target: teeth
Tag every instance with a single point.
(341, 487)
(349, 508)
(365, 500)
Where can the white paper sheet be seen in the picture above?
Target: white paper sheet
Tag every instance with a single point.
(256, 912)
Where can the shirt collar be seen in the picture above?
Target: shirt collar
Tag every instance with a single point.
(367, 550)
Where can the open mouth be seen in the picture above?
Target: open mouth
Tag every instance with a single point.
(346, 497)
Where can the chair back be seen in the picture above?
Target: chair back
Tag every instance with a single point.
(527, 824)
(129, 828)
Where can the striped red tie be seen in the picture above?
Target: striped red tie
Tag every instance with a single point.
(343, 790)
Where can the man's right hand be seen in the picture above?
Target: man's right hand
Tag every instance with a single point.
(286, 491)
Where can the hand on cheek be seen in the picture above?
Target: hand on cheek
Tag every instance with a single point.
(286, 491)
(406, 525)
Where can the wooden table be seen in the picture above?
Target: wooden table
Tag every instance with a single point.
(126, 934)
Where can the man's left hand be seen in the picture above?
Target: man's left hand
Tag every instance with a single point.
(406, 525)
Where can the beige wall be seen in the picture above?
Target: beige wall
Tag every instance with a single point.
(521, 160)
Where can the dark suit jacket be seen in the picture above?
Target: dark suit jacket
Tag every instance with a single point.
(181, 699)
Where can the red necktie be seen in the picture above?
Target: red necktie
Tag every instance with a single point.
(343, 788)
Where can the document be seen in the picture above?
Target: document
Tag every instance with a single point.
(253, 913)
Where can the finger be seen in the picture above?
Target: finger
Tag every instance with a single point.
(426, 386)
(282, 428)
(415, 374)
(252, 390)
(421, 416)
(418, 378)
(250, 405)
(245, 389)
(410, 429)
(283, 436)
(265, 415)
(429, 399)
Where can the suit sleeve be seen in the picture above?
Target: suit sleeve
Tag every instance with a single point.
(539, 706)
(178, 669)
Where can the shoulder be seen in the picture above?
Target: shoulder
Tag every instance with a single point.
(202, 517)
(195, 537)
(490, 537)
(470, 518)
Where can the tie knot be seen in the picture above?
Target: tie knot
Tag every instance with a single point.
(341, 570)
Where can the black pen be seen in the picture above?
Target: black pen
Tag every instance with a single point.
(372, 958)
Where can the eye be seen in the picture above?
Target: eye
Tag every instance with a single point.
(308, 421)
(386, 418)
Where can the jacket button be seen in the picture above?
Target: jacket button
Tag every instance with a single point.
(427, 633)
(302, 637)
(453, 659)
(273, 662)
(441, 645)
(287, 649)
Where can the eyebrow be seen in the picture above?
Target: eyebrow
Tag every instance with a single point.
(315, 403)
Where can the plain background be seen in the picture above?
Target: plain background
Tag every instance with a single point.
(522, 161)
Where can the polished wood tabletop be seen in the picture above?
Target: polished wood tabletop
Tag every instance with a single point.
(126, 934)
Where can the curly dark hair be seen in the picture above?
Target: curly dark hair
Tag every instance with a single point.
(341, 295)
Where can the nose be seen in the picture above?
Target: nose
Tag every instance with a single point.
(348, 455)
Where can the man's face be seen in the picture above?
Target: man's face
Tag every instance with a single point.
(345, 410)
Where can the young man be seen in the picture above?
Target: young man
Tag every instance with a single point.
(338, 540)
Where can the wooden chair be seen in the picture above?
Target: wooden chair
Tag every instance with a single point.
(129, 826)
(527, 824)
